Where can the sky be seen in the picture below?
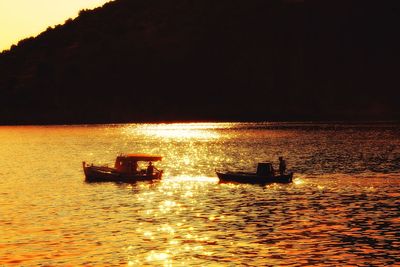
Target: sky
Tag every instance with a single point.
(20, 19)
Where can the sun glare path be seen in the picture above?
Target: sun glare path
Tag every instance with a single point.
(179, 130)
(185, 178)
(182, 195)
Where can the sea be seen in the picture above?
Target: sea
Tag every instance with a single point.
(342, 209)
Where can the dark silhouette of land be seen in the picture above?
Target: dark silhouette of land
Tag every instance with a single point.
(188, 60)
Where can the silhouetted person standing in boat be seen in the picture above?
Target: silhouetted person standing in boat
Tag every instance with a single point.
(150, 169)
(282, 166)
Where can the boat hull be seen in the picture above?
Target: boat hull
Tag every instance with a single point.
(252, 178)
(104, 174)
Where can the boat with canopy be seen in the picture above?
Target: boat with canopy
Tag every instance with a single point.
(126, 169)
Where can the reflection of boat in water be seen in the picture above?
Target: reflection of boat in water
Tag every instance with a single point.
(125, 170)
(265, 174)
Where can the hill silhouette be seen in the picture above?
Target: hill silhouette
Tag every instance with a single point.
(187, 60)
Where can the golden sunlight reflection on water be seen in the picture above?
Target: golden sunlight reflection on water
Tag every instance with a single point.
(179, 130)
(341, 209)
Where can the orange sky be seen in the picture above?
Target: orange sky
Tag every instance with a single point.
(20, 19)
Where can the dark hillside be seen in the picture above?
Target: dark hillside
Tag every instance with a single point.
(157, 60)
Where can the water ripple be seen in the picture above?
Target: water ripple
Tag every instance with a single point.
(342, 209)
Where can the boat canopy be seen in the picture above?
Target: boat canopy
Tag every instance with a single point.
(141, 157)
(265, 168)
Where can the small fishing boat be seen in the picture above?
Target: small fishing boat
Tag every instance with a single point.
(126, 169)
(265, 174)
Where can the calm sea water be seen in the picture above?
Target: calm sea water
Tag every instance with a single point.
(343, 208)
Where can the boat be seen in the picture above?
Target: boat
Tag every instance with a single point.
(126, 169)
(265, 174)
